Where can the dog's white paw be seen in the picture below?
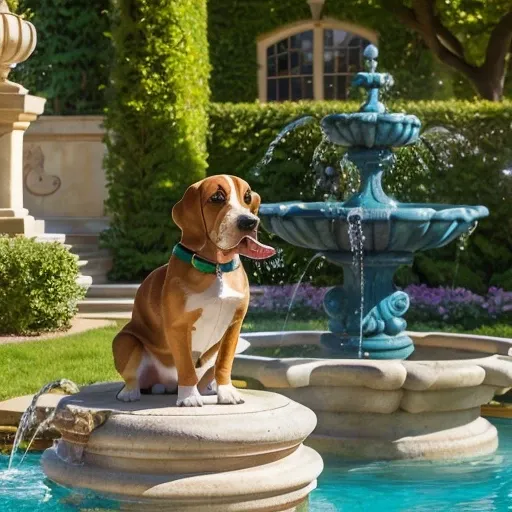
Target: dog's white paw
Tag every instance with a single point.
(211, 389)
(189, 396)
(129, 395)
(228, 394)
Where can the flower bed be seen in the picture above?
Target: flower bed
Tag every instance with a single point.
(453, 306)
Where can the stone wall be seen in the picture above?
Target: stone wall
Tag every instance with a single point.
(63, 172)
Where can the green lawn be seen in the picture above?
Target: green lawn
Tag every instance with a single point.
(87, 357)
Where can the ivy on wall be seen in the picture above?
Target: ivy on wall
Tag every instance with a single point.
(233, 27)
(156, 126)
(71, 62)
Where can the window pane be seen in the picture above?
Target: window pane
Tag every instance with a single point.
(306, 40)
(341, 61)
(306, 67)
(282, 46)
(340, 38)
(341, 87)
(328, 38)
(297, 89)
(328, 61)
(271, 50)
(295, 63)
(282, 64)
(283, 89)
(354, 57)
(355, 42)
(329, 87)
(271, 90)
(271, 66)
(308, 88)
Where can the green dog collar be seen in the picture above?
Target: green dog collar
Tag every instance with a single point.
(205, 266)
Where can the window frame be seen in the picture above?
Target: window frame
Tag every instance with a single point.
(318, 27)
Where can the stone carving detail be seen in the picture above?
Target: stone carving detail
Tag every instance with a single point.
(37, 181)
(75, 425)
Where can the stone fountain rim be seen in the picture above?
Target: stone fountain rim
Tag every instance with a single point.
(494, 368)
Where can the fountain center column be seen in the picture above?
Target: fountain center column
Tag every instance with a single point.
(17, 110)
(371, 164)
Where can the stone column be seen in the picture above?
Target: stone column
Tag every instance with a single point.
(17, 110)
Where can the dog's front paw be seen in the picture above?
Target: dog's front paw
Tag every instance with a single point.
(189, 396)
(228, 394)
(129, 394)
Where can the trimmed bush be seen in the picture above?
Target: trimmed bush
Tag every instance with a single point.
(38, 289)
(157, 124)
(463, 162)
(70, 64)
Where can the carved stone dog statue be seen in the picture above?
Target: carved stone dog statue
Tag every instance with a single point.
(191, 310)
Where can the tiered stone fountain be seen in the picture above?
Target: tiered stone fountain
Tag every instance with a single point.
(369, 402)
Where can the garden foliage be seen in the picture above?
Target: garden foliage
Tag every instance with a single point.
(157, 124)
(465, 158)
(436, 306)
(38, 289)
(70, 64)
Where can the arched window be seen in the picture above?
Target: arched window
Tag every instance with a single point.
(311, 60)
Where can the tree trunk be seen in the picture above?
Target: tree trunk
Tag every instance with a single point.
(488, 88)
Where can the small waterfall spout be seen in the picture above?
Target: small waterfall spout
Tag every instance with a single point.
(29, 416)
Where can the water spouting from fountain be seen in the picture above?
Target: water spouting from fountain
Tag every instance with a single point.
(356, 237)
(29, 417)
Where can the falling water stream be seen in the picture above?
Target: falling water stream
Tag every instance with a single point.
(29, 417)
(462, 245)
(296, 289)
(281, 137)
(356, 237)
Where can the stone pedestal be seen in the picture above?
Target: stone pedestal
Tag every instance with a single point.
(247, 457)
(17, 111)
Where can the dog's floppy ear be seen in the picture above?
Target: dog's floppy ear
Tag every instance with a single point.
(188, 216)
(256, 201)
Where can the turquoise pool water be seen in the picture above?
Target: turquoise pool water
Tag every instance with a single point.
(479, 485)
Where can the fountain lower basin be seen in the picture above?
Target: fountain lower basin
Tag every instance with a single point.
(427, 407)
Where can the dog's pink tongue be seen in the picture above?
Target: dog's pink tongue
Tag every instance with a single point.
(255, 250)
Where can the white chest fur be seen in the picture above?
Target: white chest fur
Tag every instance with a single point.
(218, 303)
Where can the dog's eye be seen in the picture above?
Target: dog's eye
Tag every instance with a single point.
(218, 198)
(248, 197)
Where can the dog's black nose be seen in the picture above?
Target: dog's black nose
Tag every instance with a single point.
(246, 223)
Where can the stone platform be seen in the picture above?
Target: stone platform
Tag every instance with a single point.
(247, 457)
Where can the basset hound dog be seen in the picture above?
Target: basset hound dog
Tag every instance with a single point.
(188, 314)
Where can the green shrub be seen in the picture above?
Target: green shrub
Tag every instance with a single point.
(38, 289)
(465, 167)
(70, 64)
(157, 125)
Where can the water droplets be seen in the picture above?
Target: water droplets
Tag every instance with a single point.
(356, 238)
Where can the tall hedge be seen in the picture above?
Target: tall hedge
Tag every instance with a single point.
(156, 122)
(470, 163)
(70, 64)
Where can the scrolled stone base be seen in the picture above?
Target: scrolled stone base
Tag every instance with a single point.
(216, 458)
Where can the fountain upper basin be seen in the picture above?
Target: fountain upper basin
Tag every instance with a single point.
(323, 226)
(370, 129)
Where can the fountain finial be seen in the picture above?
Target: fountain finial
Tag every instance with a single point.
(372, 81)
